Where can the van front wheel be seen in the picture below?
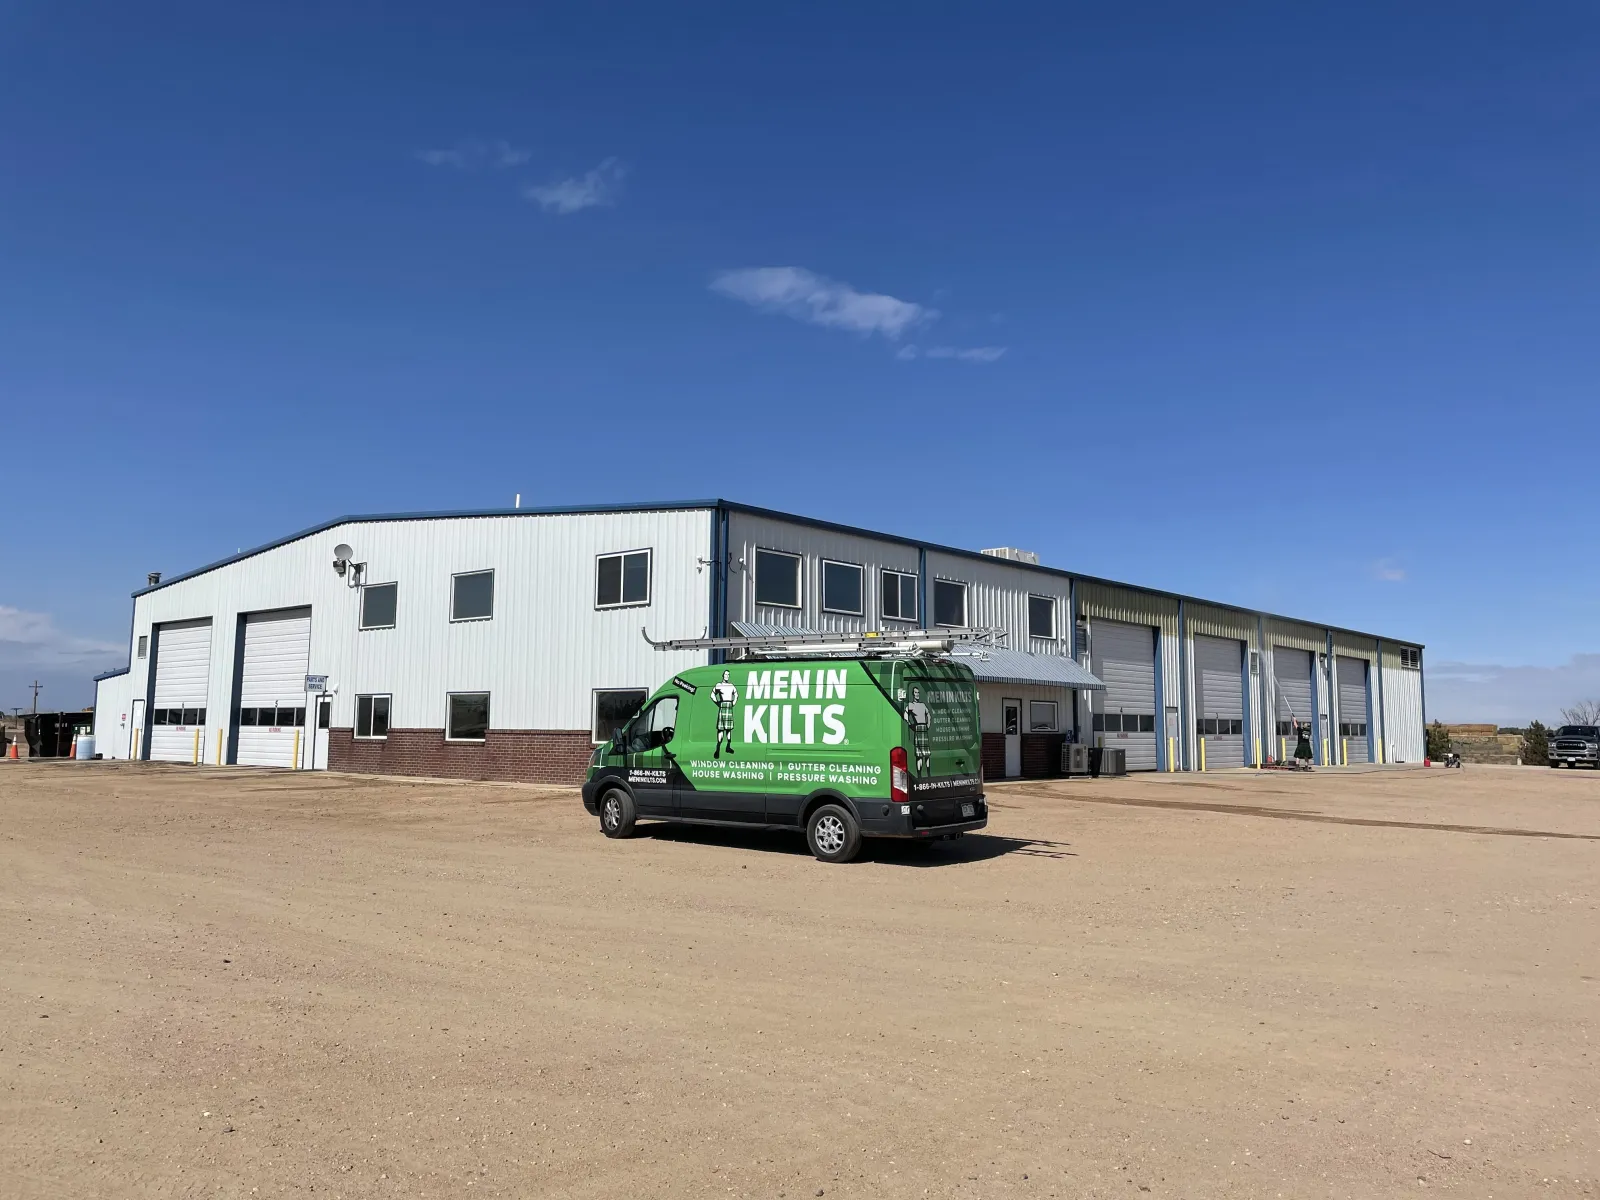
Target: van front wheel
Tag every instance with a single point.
(617, 814)
(832, 834)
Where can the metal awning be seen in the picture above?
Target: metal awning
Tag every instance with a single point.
(995, 664)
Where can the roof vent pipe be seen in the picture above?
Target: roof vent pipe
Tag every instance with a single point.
(153, 578)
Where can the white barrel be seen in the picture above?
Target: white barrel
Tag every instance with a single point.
(85, 745)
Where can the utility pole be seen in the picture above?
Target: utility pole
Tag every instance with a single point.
(35, 685)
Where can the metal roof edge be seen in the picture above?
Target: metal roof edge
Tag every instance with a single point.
(444, 514)
(104, 675)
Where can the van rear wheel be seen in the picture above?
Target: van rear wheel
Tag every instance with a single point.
(617, 814)
(832, 834)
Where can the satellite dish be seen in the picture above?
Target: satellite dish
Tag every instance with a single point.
(343, 553)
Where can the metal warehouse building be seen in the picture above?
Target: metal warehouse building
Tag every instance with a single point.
(506, 644)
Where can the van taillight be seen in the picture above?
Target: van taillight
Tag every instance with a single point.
(899, 776)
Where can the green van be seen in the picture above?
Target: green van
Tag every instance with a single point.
(843, 748)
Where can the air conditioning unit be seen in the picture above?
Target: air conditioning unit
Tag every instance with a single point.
(1074, 758)
(1014, 555)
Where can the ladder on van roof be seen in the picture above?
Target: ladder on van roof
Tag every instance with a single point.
(809, 643)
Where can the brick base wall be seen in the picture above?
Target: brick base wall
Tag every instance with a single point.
(1041, 755)
(518, 755)
(994, 756)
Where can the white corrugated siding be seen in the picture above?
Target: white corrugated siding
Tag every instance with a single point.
(1404, 739)
(112, 717)
(541, 655)
(183, 658)
(277, 653)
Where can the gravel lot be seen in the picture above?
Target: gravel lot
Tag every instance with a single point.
(246, 983)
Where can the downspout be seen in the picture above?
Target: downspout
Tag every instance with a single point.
(1264, 726)
(1331, 671)
(1382, 723)
(922, 588)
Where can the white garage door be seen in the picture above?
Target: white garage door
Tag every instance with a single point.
(272, 687)
(1219, 699)
(1354, 728)
(1291, 676)
(1123, 657)
(183, 673)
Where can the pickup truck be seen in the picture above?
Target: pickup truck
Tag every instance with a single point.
(1575, 745)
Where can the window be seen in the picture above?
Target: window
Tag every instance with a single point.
(247, 716)
(471, 596)
(144, 644)
(654, 727)
(622, 579)
(468, 717)
(949, 603)
(1042, 617)
(1354, 729)
(613, 708)
(777, 579)
(899, 596)
(378, 604)
(324, 714)
(841, 587)
(372, 716)
(1041, 716)
(1147, 722)
(1410, 657)
(1218, 727)
(1100, 722)
(1285, 728)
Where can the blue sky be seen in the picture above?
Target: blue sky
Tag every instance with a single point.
(1321, 279)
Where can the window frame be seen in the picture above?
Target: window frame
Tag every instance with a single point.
(488, 717)
(622, 578)
(361, 612)
(965, 613)
(799, 578)
(1055, 603)
(860, 610)
(388, 710)
(1055, 717)
(142, 648)
(455, 620)
(883, 593)
(594, 711)
(1410, 658)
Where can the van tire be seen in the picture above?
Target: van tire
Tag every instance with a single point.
(833, 834)
(617, 814)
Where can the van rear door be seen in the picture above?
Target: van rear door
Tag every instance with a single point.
(938, 705)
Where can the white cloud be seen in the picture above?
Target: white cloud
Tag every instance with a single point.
(593, 189)
(818, 300)
(476, 154)
(1386, 570)
(1468, 692)
(973, 354)
(30, 639)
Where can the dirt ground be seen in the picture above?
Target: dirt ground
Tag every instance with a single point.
(246, 983)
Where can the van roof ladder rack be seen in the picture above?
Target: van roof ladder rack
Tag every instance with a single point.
(890, 643)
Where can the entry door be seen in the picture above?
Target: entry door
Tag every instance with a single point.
(136, 730)
(324, 712)
(1011, 720)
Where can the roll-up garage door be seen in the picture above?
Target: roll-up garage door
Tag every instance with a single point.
(1292, 679)
(1354, 729)
(272, 687)
(183, 674)
(1219, 699)
(1123, 657)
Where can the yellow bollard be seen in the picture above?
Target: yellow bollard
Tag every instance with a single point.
(195, 761)
(1344, 752)
(1325, 759)
(1380, 750)
(295, 760)
(219, 747)
(1202, 754)
(1258, 754)
(1283, 749)
(1172, 754)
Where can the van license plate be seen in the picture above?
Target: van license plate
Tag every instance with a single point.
(968, 810)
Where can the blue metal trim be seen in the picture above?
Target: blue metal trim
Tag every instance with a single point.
(1371, 724)
(104, 675)
(1264, 728)
(1383, 734)
(1422, 686)
(1334, 707)
(1244, 697)
(1316, 713)
(1072, 619)
(1161, 703)
(1185, 747)
(923, 619)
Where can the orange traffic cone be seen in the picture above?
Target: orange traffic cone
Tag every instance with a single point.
(13, 750)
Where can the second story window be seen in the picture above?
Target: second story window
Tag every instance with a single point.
(899, 596)
(144, 644)
(841, 588)
(1042, 617)
(379, 603)
(949, 603)
(472, 596)
(622, 579)
(777, 579)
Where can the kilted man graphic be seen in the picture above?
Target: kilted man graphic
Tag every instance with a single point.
(921, 722)
(725, 696)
